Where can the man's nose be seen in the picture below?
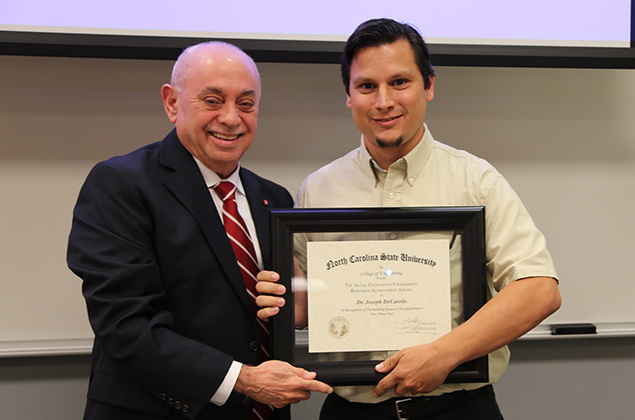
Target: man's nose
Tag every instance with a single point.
(229, 115)
(384, 99)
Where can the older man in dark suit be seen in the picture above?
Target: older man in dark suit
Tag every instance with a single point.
(176, 335)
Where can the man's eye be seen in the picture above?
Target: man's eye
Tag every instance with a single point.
(246, 105)
(400, 82)
(366, 86)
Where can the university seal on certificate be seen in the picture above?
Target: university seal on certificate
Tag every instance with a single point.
(377, 295)
(339, 327)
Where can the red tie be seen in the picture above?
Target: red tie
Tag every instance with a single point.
(246, 258)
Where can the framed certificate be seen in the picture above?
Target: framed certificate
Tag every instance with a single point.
(370, 281)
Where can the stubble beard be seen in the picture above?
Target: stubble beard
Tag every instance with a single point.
(387, 144)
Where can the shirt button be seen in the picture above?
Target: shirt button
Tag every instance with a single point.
(254, 346)
(391, 195)
(393, 236)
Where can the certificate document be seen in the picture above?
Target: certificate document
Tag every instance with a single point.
(377, 295)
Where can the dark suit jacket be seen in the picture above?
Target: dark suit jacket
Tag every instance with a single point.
(165, 296)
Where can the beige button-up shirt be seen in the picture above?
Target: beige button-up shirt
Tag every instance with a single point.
(433, 174)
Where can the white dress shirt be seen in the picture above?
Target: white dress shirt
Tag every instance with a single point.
(212, 180)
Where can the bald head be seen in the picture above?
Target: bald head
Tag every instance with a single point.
(213, 50)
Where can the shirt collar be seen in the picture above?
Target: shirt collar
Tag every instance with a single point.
(212, 179)
(414, 161)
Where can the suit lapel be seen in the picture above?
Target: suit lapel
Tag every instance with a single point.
(188, 186)
(259, 207)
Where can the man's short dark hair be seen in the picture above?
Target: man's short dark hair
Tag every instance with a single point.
(377, 32)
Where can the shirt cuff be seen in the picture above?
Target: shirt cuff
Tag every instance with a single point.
(225, 389)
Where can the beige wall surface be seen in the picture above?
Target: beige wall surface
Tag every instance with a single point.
(564, 138)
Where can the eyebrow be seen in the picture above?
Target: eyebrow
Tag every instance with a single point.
(212, 89)
(361, 80)
(365, 79)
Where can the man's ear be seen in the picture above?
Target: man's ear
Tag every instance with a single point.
(348, 101)
(430, 90)
(169, 95)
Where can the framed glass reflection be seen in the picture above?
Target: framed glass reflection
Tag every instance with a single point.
(378, 281)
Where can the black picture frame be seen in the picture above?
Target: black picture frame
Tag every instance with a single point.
(468, 221)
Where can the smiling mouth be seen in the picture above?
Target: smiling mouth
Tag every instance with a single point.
(225, 136)
(384, 120)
